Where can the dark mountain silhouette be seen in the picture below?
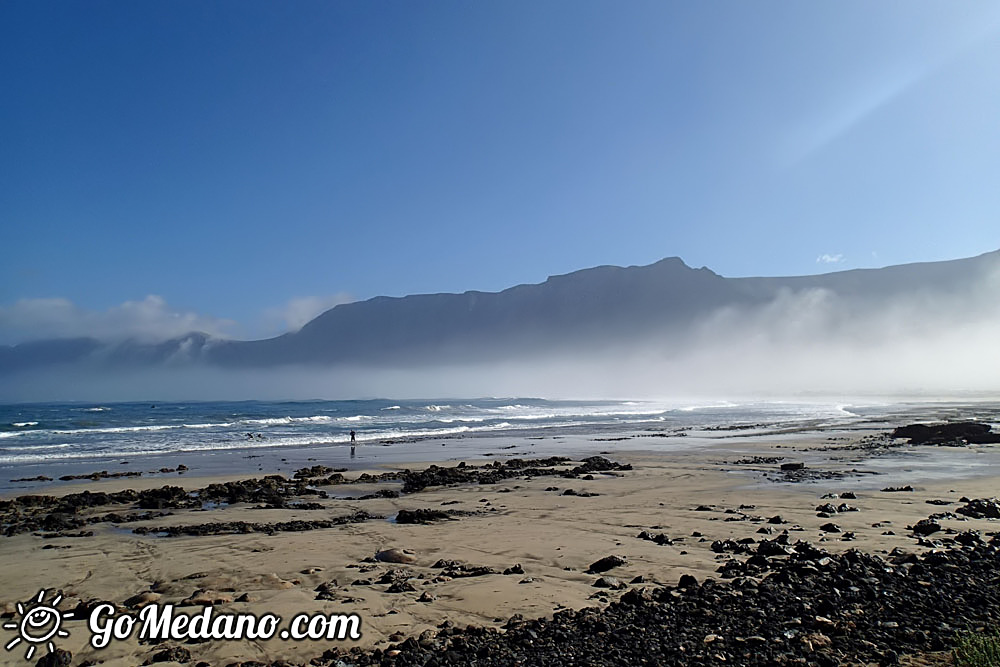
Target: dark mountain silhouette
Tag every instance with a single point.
(588, 309)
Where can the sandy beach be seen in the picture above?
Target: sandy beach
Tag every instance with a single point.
(506, 532)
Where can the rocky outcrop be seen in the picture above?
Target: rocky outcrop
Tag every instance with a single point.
(955, 433)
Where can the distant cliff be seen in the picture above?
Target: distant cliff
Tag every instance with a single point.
(601, 306)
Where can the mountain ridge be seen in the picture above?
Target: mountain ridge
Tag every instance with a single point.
(585, 308)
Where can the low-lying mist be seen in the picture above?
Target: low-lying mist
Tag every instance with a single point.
(811, 342)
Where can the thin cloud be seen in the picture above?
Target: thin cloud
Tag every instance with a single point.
(301, 310)
(821, 132)
(830, 259)
(150, 319)
(817, 133)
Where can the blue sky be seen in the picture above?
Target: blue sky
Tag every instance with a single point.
(237, 166)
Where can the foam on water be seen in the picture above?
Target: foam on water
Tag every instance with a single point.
(135, 429)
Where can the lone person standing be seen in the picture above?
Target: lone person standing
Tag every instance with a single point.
(353, 442)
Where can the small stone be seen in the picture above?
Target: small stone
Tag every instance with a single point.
(926, 527)
(401, 587)
(609, 582)
(396, 556)
(172, 654)
(605, 564)
(819, 640)
(57, 658)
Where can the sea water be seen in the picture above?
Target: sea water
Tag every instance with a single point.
(64, 432)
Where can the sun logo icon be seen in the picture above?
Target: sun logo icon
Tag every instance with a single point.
(39, 623)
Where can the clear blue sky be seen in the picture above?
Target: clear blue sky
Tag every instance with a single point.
(234, 157)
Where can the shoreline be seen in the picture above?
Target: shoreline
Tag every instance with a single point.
(554, 439)
(812, 445)
(279, 556)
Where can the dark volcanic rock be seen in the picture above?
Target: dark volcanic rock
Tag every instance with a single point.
(434, 475)
(381, 493)
(56, 513)
(172, 654)
(981, 508)
(459, 570)
(581, 494)
(939, 434)
(597, 464)
(421, 516)
(271, 489)
(773, 548)
(58, 658)
(729, 546)
(605, 564)
(660, 538)
(314, 471)
(103, 474)
(401, 587)
(609, 582)
(969, 538)
(758, 460)
(243, 527)
(810, 608)
(164, 497)
(925, 527)
(983, 438)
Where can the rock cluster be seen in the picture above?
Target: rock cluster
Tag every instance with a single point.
(500, 470)
(428, 515)
(103, 474)
(810, 607)
(273, 490)
(60, 514)
(981, 508)
(240, 527)
(758, 460)
(955, 433)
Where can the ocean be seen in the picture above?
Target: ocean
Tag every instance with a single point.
(64, 432)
